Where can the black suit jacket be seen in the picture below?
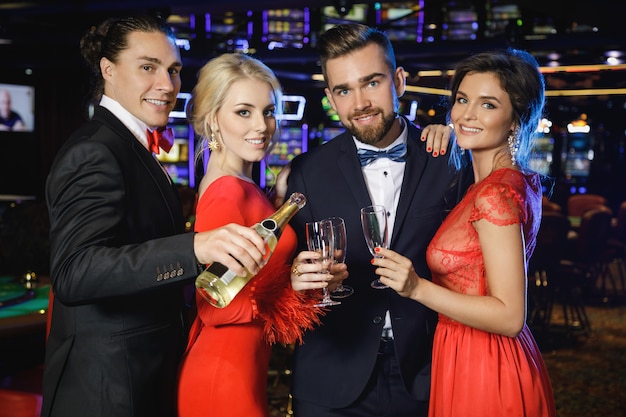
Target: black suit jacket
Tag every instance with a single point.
(335, 361)
(119, 259)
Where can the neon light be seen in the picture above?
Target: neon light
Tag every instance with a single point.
(300, 100)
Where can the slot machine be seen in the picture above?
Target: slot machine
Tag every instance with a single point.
(330, 127)
(292, 141)
(179, 161)
(542, 153)
(578, 155)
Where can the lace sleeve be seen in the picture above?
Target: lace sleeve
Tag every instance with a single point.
(500, 204)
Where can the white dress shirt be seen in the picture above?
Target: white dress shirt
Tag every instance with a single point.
(136, 126)
(383, 178)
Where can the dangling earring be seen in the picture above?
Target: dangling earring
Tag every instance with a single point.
(214, 145)
(513, 140)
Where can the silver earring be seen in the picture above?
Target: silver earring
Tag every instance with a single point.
(513, 140)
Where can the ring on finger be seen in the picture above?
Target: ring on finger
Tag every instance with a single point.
(296, 271)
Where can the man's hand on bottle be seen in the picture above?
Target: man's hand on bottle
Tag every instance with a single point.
(235, 246)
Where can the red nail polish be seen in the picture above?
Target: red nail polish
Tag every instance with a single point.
(443, 152)
(435, 154)
(376, 249)
(429, 149)
(423, 138)
(372, 261)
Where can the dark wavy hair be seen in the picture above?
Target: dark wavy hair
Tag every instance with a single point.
(110, 38)
(519, 76)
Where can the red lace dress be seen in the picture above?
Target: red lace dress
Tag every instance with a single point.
(224, 370)
(475, 373)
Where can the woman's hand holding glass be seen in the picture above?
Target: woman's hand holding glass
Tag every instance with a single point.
(305, 275)
(397, 272)
(374, 222)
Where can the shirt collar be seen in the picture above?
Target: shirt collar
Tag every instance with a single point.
(136, 126)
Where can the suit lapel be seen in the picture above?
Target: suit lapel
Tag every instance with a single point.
(416, 162)
(148, 160)
(139, 153)
(351, 170)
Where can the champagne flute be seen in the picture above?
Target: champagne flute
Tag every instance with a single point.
(319, 237)
(374, 222)
(341, 245)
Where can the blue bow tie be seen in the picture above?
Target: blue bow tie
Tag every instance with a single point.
(397, 153)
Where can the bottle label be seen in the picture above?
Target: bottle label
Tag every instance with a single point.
(228, 277)
(224, 274)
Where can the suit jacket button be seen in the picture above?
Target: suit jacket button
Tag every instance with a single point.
(377, 320)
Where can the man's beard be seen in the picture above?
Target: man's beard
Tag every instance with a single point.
(371, 135)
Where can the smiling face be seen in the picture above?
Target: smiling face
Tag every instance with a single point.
(364, 92)
(246, 122)
(145, 80)
(482, 114)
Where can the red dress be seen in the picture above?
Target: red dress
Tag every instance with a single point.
(476, 373)
(224, 370)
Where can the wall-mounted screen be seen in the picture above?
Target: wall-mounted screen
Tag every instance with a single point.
(17, 108)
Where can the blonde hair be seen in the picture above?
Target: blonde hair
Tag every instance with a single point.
(215, 79)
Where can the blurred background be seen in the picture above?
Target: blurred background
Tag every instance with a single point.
(579, 44)
(576, 300)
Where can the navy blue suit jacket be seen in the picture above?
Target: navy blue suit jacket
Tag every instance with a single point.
(335, 361)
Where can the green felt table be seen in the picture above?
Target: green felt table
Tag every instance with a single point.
(22, 310)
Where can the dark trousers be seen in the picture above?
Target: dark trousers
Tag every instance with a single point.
(384, 396)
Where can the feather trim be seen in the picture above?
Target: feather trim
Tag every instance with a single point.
(286, 314)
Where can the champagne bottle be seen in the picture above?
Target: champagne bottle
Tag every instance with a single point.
(219, 285)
